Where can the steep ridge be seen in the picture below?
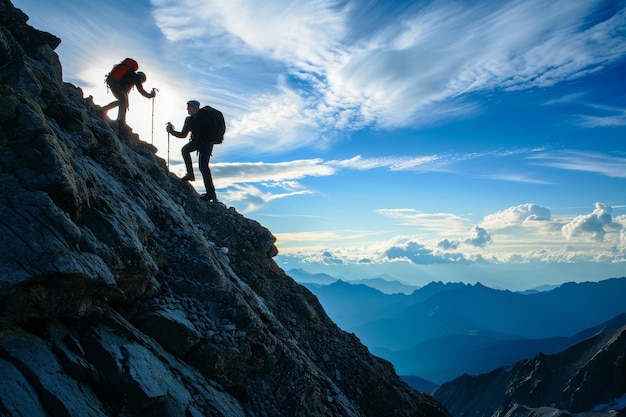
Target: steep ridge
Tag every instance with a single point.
(588, 378)
(124, 294)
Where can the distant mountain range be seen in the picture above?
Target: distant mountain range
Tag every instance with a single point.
(587, 379)
(441, 331)
(382, 284)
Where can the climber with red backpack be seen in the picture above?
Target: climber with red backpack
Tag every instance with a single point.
(122, 78)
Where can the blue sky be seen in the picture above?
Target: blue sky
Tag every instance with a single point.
(474, 141)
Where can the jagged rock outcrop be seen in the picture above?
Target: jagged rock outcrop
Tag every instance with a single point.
(124, 294)
(587, 379)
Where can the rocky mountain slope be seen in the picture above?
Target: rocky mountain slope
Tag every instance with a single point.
(124, 294)
(587, 379)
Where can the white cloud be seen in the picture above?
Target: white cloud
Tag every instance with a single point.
(524, 214)
(621, 246)
(441, 52)
(416, 64)
(604, 121)
(611, 166)
(393, 163)
(291, 177)
(277, 123)
(612, 117)
(527, 233)
(593, 225)
(229, 173)
(290, 75)
(419, 254)
(235, 179)
(441, 223)
(299, 32)
(255, 198)
(242, 182)
(478, 238)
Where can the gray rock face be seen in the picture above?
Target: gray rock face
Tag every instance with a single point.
(124, 294)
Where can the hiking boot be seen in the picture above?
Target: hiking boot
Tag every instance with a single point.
(210, 198)
(188, 177)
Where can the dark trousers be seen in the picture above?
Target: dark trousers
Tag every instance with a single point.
(122, 101)
(204, 155)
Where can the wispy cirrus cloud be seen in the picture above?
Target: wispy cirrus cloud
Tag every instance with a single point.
(597, 115)
(611, 117)
(253, 172)
(443, 223)
(573, 160)
(302, 75)
(228, 173)
(318, 65)
(603, 121)
(304, 33)
(393, 163)
(261, 182)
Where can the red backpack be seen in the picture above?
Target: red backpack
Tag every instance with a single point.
(120, 70)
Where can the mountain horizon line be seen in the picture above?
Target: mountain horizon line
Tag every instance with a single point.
(383, 284)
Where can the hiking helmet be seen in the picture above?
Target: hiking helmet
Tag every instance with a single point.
(194, 103)
(142, 76)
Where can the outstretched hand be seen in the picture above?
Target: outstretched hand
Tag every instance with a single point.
(169, 128)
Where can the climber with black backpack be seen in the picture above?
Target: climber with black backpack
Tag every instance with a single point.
(122, 78)
(207, 128)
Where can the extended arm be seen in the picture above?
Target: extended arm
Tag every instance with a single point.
(143, 92)
(183, 133)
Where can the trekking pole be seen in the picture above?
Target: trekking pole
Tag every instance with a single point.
(168, 150)
(152, 136)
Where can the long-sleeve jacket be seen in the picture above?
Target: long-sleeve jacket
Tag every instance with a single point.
(130, 80)
(191, 125)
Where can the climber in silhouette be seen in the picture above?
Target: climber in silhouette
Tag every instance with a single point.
(122, 78)
(204, 148)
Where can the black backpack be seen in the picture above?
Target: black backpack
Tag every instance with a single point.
(212, 125)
